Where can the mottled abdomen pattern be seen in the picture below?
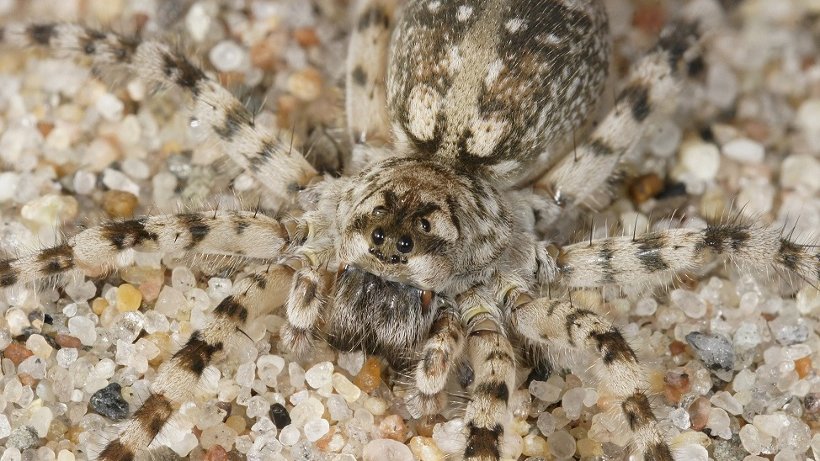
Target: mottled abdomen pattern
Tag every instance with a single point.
(491, 83)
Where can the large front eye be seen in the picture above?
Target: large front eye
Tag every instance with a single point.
(424, 224)
(377, 236)
(405, 244)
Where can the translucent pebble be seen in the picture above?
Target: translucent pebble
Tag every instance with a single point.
(297, 375)
(808, 121)
(680, 418)
(22, 437)
(155, 322)
(33, 366)
(227, 56)
(714, 350)
(744, 150)
(65, 455)
(545, 391)
(319, 375)
(11, 454)
(800, 171)
(345, 388)
(665, 138)
(83, 329)
(66, 356)
(245, 374)
(170, 300)
(534, 445)
(376, 406)
(789, 331)
(136, 168)
(110, 107)
(38, 345)
(81, 290)
(692, 452)
(449, 436)
(719, 423)
(289, 435)
(50, 209)
(573, 402)
(219, 434)
(725, 400)
(306, 410)
(747, 336)
(795, 352)
(749, 302)
(546, 423)
(18, 321)
(562, 444)
(197, 21)
(772, 425)
(351, 361)
(117, 180)
(268, 368)
(8, 185)
(646, 306)
(752, 440)
(689, 302)
(316, 429)
(337, 406)
(40, 420)
(796, 435)
(701, 159)
(425, 449)
(5, 427)
(257, 406)
(386, 450)
(182, 278)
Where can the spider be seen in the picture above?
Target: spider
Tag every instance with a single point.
(462, 117)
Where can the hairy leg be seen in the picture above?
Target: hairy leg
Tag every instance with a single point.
(253, 295)
(653, 257)
(557, 323)
(651, 84)
(441, 350)
(276, 166)
(366, 98)
(94, 250)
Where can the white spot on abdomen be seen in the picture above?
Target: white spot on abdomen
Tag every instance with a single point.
(492, 72)
(514, 25)
(422, 108)
(464, 12)
(486, 135)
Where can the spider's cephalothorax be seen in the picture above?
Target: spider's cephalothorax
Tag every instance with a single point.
(460, 125)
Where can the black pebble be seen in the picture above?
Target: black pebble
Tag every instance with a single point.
(108, 402)
(280, 416)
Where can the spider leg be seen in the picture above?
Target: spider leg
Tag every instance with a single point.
(275, 164)
(303, 309)
(366, 99)
(655, 256)
(558, 323)
(493, 360)
(441, 350)
(252, 296)
(651, 84)
(97, 249)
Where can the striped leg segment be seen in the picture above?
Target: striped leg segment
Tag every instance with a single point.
(303, 308)
(651, 84)
(654, 257)
(491, 356)
(366, 99)
(262, 155)
(441, 350)
(557, 323)
(233, 233)
(252, 296)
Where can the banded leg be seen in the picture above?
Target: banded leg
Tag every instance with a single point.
(558, 323)
(234, 233)
(439, 353)
(366, 99)
(262, 155)
(303, 309)
(653, 257)
(491, 355)
(652, 83)
(252, 296)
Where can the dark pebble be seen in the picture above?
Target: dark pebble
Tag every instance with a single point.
(279, 415)
(713, 350)
(108, 402)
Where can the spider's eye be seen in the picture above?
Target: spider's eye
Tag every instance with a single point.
(377, 236)
(379, 211)
(405, 244)
(424, 224)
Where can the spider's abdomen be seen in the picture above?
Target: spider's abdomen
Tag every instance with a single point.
(494, 83)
